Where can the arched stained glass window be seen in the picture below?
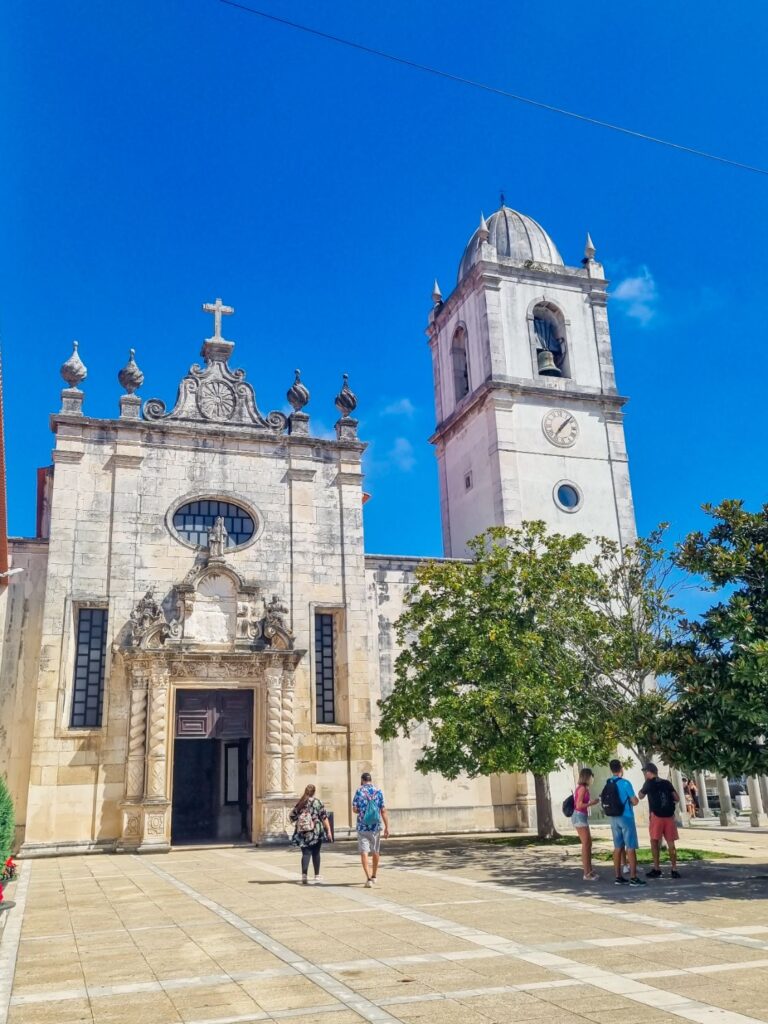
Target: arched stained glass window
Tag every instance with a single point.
(193, 521)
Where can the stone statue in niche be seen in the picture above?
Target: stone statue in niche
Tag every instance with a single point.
(147, 613)
(276, 612)
(217, 538)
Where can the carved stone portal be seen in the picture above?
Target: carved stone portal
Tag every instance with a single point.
(215, 607)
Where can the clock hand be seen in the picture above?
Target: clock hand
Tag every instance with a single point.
(563, 425)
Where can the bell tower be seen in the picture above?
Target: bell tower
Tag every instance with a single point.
(529, 421)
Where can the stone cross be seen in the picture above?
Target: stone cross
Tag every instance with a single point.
(218, 309)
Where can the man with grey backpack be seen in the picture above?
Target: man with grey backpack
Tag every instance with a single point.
(372, 825)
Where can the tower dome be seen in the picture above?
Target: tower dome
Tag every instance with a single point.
(515, 237)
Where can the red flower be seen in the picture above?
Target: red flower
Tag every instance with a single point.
(1, 892)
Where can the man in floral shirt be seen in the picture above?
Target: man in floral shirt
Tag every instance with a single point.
(372, 824)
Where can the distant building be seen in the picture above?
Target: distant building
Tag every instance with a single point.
(198, 631)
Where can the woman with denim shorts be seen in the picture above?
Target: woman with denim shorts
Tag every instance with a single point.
(582, 801)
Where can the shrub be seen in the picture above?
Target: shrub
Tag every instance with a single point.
(7, 822)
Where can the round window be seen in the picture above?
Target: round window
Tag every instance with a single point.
(568, 497)
(193, 520)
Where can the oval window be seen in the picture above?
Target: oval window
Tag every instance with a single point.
(568, 497)
(193, 521)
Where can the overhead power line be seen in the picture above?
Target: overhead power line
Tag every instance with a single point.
(373, 52)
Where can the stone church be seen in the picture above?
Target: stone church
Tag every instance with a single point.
(196, 631)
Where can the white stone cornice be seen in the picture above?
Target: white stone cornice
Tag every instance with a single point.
(300, 474)
(126, 460)
(65, 455)
(519, 388)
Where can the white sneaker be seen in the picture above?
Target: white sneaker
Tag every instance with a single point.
(318, 880)
(368, 883)
(304, 880)
(374, 880)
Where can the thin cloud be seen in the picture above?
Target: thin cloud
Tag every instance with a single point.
(401, 454)
(638, 296)
(401, 407)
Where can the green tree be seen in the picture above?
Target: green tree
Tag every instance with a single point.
(628, 649)
(490, 661)
(717, 715)
(7, 823)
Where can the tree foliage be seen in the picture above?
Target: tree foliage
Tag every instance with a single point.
(628, 646)
(717, 715)
(7, 822)
(492, 660)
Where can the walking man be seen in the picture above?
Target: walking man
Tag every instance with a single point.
(372, 824)
(662, 797)
(618, 800)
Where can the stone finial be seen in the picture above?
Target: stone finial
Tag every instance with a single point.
(298, 393)
(437, 295)
(482, 231)
(131, 378)
(346, 400)
(74, 371)
(589, 249)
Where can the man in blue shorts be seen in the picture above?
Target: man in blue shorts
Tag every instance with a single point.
(622, 819)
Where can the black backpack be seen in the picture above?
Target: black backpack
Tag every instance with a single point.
(568, 806)
(665, 802)
(610, 801)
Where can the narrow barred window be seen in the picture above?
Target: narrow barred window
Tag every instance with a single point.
(88, 698)
(324, 670)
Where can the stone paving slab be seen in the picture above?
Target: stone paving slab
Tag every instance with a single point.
(455, 931)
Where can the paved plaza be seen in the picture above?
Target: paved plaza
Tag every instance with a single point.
(457, 930)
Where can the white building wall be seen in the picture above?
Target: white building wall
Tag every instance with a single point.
(421, 803)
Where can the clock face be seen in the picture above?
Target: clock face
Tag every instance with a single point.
(560, 427)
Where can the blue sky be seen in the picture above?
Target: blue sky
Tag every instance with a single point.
(158, 155)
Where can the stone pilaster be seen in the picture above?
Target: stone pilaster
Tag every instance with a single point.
(156, 830)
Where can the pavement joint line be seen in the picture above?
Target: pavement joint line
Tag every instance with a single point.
(345, 996)
(598, 977)
(517, 892)
(9, 944)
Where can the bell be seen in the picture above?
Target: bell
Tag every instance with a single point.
(546, 363)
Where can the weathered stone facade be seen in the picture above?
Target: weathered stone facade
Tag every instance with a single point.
(204, 616)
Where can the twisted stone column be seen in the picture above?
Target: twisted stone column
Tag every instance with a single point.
(287, 733)
(157, 754)
(273, 745)
(137, 739)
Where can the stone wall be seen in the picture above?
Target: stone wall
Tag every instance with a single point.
(114, 485)
(21, 611)
(422, 803)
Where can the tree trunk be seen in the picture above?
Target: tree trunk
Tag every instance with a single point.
(544, 820)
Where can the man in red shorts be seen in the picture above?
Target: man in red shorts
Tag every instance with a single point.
(662, 797)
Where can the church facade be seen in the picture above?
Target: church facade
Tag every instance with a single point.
(197, 631)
